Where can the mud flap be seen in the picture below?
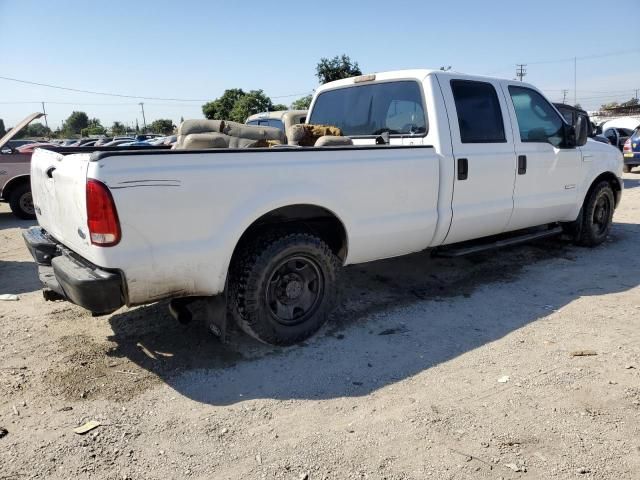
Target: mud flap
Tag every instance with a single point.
(217, 316)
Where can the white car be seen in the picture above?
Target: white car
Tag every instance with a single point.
(428, 160)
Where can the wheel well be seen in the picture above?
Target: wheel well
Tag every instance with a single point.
(306, 218)
(12, 184)
(613, 181)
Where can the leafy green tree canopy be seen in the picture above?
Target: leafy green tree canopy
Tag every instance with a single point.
(75, 123)
(118, 129)
(163, 126)
(220, 109)
(336, 68)
(251, 103)
(302, 103)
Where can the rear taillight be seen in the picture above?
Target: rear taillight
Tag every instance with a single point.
(627, 146)
(102, 217)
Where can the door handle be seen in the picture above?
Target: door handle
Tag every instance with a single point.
(522, 164)
(463, 169)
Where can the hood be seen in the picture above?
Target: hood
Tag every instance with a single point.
(14, 131)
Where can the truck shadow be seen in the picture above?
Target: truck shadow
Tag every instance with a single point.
(18, 277)
(631, 183)
(9, 220)
(397, 318)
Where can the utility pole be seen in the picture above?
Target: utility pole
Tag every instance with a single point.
(575, 81)
(636, 94)
(564, 95)
(46, 122)
(144, 120)
(521, 70)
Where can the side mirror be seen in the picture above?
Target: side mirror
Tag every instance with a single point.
(581, 131)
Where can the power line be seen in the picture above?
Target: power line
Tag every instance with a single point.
(120, 95)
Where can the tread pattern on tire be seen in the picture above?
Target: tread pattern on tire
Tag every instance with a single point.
(14, 202)
(586, 237)
(253, 261)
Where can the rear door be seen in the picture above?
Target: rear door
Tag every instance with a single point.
(548, 174)
(484, 158)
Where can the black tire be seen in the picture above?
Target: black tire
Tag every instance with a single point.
(626, 168)
(21, 202)
(282, 287)
(597, 216)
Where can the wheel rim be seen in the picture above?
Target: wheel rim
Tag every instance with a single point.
(601, 215)
(26, 203)
(294, 290)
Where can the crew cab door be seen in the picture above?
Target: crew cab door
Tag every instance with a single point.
(547, 174)
(484, 158)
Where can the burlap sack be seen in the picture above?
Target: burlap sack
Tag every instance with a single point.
(200, 126)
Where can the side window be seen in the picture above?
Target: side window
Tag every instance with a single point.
(537, 120)
(479, 113)
(253, 122)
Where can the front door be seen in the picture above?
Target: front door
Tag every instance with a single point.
(484, 159)
(548, 174)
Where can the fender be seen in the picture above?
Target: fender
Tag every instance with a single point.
(12, 183)
(246, 214)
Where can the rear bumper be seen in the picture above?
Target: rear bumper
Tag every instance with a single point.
(631, 158)
(72, 277)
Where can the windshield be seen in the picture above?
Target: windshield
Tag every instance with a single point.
(394, 107)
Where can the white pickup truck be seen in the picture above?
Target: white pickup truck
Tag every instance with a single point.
(438, 159)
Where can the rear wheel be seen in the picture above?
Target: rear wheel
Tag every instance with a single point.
(21, 202)
(597, 216)
(283, 287)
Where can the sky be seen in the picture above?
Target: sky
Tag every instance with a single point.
(194, 50)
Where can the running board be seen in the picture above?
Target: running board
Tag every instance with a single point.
(462, 250)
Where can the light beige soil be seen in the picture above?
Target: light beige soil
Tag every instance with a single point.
(402, 384)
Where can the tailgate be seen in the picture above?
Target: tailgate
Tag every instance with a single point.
(58, 183)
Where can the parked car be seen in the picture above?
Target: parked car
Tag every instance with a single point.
(279, 119)
(14, 144)
(631, 151)
(263, 232)
(617, 136)
(102, 141)
(117, 142)
(30, 147)
(15, 180)
(571, 113)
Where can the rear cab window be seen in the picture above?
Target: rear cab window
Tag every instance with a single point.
(372, 109)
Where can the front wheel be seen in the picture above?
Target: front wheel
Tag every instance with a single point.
(283, 287)
(597, 216)
(21, 202)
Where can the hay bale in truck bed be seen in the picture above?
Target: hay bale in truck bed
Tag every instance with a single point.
(306, 135)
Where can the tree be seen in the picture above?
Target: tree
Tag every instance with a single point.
(336, 68)
(3, 131)
(302, 103)
(75, 123)
(94, 127)
(220, 109)
(162, 125)
(251, 103)
(118, 129)
(279, 106)
(37, 130)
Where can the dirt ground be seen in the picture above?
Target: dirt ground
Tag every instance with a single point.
(430, 368)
